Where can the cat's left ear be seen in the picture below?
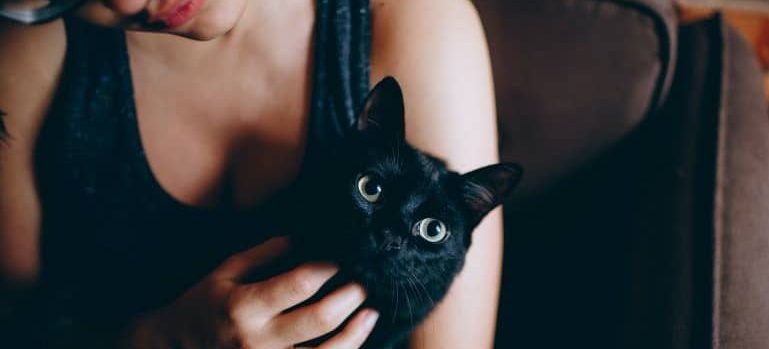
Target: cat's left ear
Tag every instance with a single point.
(383, 111)
(486, 188)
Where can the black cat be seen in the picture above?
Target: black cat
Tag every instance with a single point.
(394, 218)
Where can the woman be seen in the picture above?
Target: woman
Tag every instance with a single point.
(134, 161)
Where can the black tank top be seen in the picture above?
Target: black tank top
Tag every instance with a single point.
(114, 243)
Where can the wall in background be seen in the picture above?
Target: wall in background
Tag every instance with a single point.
(752, 5)
(750, 17)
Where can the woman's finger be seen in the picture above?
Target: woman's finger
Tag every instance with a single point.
(274, 295)
(315, 320)
(241, 264)
(354, 333)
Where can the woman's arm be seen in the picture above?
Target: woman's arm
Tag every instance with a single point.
(438, 51)
(29, 68)
(30, 64)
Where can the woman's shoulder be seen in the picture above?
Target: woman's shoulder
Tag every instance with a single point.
(437, 50)
(419, 25)
(426, 11)
(429, 44)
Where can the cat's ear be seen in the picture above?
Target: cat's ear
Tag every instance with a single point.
(383, 111)
(486, 188)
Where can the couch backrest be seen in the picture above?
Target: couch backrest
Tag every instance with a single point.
(574, 76)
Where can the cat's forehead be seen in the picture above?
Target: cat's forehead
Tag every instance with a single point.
(407, 163)
(390, 165)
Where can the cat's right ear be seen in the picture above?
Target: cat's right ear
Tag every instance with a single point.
(486, 188)
(383, 111)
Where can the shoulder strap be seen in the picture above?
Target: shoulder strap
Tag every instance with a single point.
(341, 81)
(81, 133)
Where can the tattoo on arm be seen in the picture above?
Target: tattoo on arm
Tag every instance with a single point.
(3, 130)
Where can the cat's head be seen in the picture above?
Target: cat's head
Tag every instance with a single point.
(413, 217)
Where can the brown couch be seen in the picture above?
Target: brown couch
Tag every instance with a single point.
(643, 218)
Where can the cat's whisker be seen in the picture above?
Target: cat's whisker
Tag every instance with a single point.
(408, 302)
(414, 280)
(411, 314)
(413, 286)
(422, 285)
(443, 268)
(395, 309)
(427, 293)
(392, 294)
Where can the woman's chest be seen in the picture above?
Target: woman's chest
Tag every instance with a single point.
(232, 137)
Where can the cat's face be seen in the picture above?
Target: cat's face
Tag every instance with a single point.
(412, 218)
(412, 230)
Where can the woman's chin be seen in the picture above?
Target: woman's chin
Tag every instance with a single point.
(215, 19)
(212, 22)
(202, 34)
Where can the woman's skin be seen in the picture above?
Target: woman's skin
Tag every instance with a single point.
(200, 118)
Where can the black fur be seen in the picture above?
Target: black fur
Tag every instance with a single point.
(405, 275)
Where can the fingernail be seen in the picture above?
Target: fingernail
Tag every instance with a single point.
(361, 288)
(281, 243)
(327, 269)
(323, 265)
(370, 318)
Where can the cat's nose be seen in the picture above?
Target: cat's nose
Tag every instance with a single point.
(385, 233)
(389, 241)
(393, 243)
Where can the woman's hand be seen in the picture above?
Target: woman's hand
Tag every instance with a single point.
(223, 312)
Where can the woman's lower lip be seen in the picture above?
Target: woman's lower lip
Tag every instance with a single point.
(182, 13)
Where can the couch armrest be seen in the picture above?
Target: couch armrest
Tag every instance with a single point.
(741, 203)
(700, 239)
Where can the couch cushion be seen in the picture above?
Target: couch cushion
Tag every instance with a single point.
(574, 76)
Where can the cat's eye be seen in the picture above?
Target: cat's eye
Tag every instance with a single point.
(369, 188)
(432, 230)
